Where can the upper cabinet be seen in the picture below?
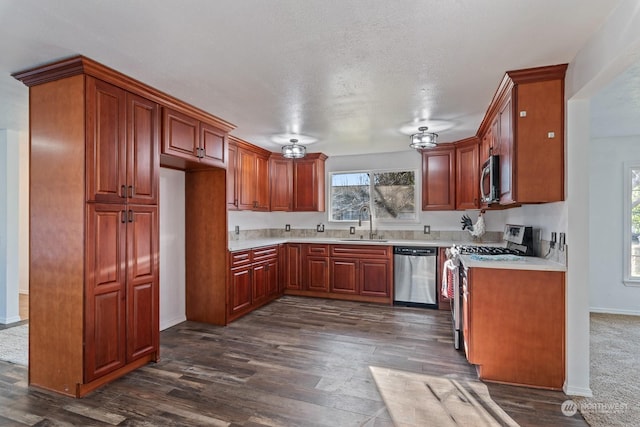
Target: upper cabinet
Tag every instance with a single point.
(298, 185)
(250, 175)
(467, 174)
(122, 145)
(308, 183)
(438, 178)
(526, 123)
(198, 143)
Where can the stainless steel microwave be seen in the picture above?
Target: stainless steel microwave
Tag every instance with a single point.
(490, 180)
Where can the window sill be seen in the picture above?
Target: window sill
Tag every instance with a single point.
(632, 282)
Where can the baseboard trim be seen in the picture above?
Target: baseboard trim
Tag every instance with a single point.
(577, 391)
(167, 323)
(614, 311)
(9, 320)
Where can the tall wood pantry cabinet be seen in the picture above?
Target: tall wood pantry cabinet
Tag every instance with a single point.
(94, 227)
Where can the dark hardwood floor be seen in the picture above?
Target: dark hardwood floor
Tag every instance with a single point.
(295, 362)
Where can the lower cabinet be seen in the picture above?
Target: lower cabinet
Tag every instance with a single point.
(351, 272)
(253, 280)
(514, 325)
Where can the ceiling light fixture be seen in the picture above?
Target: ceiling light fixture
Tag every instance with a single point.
(294, 151)
(423, 139)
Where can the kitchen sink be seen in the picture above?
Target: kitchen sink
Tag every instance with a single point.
(363, 240)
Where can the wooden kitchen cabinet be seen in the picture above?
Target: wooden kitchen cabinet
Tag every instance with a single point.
(293, 266)
(253, 279)
(298, 185)
(514, 325)
(467, 174)
(438, 178)
(197, 142)
(526, 118)
(309, 183)
(349, 272)
(281, 181)
(94, 265)
(316, 268)
(252, 176)
(232, 177)
(122, 145)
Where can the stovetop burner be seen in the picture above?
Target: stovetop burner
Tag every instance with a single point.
(488, 250)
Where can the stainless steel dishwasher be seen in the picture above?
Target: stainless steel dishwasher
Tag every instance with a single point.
(414, 271)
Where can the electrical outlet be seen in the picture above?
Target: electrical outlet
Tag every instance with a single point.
(427, 229)
(320, 228)
(352, 230)
(287, 227)
(562, 241)
(237, 229)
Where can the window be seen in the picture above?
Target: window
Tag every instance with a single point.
(632, 225)
(393, 194)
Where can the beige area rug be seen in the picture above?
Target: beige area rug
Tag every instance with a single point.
(615, 372)
(425, 400)
(14, 344)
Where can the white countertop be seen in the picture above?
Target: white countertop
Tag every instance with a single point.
(524, 263)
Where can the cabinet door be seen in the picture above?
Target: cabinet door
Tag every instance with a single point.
(247, 179)
(281, 177)
(180, 135)
(105, 142)
(104, 311)
(438, 179)
(240, 290)
(260, 282)
(292, 271)
(262, 193)
(306, 177)
(142, 281)
(344, 276)
(232, 178)
(505, 149)
(467, 177)
(273, 277)
(317, 274)
(213, 145)
(143, 159)
(375, 278)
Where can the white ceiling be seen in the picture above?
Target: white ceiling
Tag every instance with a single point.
(350, 73)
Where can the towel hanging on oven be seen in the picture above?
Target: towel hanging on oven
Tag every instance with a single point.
(450, 278)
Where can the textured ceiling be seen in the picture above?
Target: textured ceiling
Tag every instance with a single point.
(350, 73)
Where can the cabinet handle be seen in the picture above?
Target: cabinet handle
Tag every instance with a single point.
(130, 219)
(123, 216)
(131, 191)
(123, 191)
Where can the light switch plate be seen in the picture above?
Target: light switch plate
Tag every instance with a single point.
(427, 229)
(287, 227)
(237, 229)
(320, 228)
(352, 230)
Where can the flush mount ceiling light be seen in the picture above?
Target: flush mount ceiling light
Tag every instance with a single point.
(423, 139)
(294, 151)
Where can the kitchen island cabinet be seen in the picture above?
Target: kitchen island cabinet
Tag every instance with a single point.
(514, 325)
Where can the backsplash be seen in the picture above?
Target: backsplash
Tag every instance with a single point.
(449, 236)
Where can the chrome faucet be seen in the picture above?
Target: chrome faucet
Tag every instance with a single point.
(364, 208)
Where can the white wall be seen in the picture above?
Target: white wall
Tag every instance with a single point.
(23, 220)
(410, 159)
(172, 248)
(9, 237)
(606, 207)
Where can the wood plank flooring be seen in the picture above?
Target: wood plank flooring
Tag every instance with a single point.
(295, 362)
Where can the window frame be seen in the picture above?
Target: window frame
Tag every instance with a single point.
(628, 279)
(386, 221)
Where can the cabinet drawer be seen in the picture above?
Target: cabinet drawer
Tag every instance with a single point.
(359, 251)
(317, 250)
(239, 259)
(262, 254)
